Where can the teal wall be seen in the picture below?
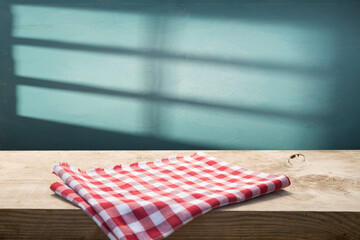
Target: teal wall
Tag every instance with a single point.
(179, 74)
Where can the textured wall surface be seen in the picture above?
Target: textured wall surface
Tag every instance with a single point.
(179, 74)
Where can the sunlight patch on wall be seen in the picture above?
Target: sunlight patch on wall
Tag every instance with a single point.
(239, 130)
(275, 91)
(253, 41)
(84, 68)
(81, 26)
(81, 109)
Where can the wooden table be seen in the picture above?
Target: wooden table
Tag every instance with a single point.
(323, 201)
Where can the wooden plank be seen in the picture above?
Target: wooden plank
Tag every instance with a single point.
(323, 201)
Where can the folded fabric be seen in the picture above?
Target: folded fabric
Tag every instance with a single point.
(150, 200)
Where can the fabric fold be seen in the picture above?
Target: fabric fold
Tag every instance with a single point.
(151, 200)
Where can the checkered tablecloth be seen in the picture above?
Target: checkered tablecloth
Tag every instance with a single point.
(150, 200)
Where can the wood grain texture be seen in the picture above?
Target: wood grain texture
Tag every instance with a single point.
(323, 201)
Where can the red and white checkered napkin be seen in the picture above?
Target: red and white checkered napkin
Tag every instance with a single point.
(150, 200)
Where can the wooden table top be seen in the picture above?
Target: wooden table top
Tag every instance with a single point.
(322, 181)
(25, 177)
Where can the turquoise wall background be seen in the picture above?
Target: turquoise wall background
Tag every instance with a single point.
(179, 74)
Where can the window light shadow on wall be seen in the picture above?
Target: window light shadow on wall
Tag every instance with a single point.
(171, 76)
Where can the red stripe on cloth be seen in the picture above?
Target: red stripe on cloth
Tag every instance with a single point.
(150, 200)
